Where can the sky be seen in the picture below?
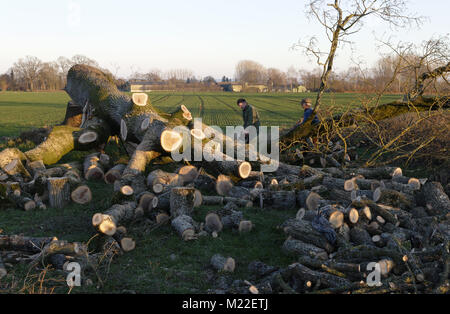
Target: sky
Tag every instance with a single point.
(208, 37)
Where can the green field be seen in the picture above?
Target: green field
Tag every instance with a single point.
(20, 111)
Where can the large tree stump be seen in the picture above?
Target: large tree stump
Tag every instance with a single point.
(58, 192)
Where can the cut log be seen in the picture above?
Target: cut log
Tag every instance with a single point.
(181, 201)
(22, 201)
(223, 185)
(335, 183)
(198, 198)
(223, 264)
(15, 167)
(360, 236)
(326, 280)
(115, 173)
(281, 200)
(299, 248)
(377, 211)
(393, 198)
(245, 226)
(94, 133)
(171, 140)
(433, 197)
(58, 192)
(312, 201)
(219, 200)
(232, 219)
(81, 195)
(60, 141)
(188, 174)
(204, 181)
(92, 168)
(213, 223)
(147, 201)
(302, 230)
(9, 154)
(139, 99)
(184, 225)
(374, 173)
(158, 179)
(118, 214)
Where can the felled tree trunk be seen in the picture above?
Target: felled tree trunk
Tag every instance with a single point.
(60, 141)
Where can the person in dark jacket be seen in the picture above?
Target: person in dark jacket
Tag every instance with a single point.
(250, 116)
(306, 104)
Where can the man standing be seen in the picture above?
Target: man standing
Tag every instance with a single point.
(250, 116)
(306, 104)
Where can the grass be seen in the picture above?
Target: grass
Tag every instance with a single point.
(161, 262)
(20, 111)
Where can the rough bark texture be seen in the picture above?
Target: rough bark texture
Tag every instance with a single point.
(181, 201)
(58, 192)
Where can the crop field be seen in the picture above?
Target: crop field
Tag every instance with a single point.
(20, 111)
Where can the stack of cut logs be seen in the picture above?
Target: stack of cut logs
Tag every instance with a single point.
(382, 222)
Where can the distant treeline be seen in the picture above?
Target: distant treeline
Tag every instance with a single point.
(390, 75)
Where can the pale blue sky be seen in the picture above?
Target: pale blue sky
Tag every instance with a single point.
(208, 37)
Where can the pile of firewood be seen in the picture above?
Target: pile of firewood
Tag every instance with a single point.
(353, 222)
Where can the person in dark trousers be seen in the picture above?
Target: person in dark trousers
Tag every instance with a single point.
(250, 116)
(306, 104)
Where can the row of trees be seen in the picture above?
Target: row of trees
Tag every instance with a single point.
(392, 73)
(31, 73)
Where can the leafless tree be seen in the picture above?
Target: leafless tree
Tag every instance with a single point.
(81, 59)
(249, 71)
(27, 69)
(154, 75)
(276, 78)
(340, 19)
